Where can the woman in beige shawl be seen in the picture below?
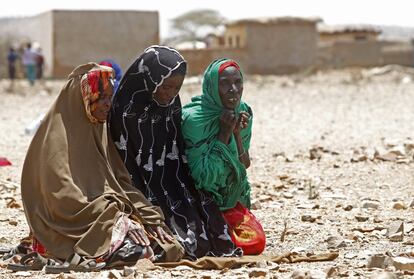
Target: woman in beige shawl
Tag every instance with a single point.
(77, 194)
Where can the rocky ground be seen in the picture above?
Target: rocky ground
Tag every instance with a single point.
(332, 170)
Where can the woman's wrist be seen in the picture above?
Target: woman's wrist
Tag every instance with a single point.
(242, 154)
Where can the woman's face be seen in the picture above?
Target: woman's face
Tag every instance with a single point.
(103, 104)
(230, 87)
(168, 89)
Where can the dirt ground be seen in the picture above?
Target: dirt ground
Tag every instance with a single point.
(332, 170)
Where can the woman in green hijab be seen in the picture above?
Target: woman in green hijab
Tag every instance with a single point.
(217, 130)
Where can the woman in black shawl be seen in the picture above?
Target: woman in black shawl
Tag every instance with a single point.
(145, 124)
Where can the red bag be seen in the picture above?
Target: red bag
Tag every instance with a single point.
(4, 162)
(245, 230)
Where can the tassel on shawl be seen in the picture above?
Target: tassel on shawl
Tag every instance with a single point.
(160, 162)
(174, 152)
(138, 158)
(184, 159)
(148, 166)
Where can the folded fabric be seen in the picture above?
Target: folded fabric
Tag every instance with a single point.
(234, 262)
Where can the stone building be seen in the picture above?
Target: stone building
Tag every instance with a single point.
(347, 33)
(359, 46)
(279, 45)
(72, 37)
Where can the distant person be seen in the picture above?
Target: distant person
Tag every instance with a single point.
(29, 63)
(217, 130)
(12, 57)
(118, 71)
(40, 60)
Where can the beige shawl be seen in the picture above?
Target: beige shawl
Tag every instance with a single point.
(74, 185)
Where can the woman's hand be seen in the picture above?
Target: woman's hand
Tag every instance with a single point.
(158, 231)
(137, 233)
(242, 122)
(228, 122)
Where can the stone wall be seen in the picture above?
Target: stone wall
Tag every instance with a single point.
(83, 36)
(364, 54)
(281, 48)
(199, 59)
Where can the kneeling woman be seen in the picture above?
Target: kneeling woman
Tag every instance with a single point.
(217, 131)
(77, 194)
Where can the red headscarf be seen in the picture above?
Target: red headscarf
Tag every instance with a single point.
(91, 91)
(227, 64)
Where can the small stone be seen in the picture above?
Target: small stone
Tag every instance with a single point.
(308, 274)
(265, 198)
(403, 263)
(258, 272)
(335, 242)
(308, 218)
(23, 273)
(389, 156)
(361, 218)
(206, 275)
(408, 227)
(256, 204)
(13, 222)
(377, 261)
(182, 268)
(398, 150)
(287, 195)
(377, 220)
(144, 265)
(356, 236)
(298, 250)
(348, 207)
(383, 275)
(350, 255)
(331, 271)
(70, 276)
(399, 205)
(315, 153)
(397, 237)
(370, 204)
(359, 158)
(114, 274)
(278, 185)
(396, 227)
(412, 204)
(128, 271)
(261, 264)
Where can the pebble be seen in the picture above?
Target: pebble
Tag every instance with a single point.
(403, 263)
(361, 218)
(370, 204)
(383, 275)
(400, 205)
(258, 272)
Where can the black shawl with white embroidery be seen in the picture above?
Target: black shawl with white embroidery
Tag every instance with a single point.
(149, 140)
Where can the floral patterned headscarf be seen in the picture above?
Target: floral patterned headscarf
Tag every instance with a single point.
(93, 84)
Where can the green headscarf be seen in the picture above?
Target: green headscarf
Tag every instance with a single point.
(215, 166)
